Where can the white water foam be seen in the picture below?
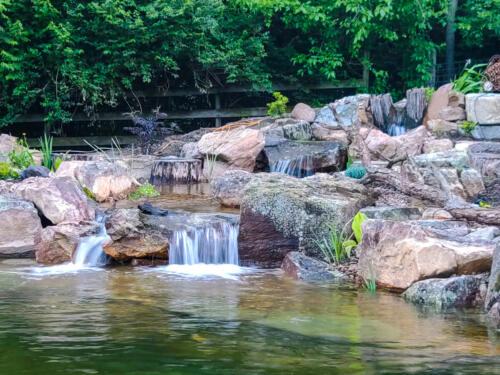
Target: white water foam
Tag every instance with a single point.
(202, 270)
(88, 256)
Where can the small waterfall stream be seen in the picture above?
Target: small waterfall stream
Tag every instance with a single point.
(89, 252)
(215, 244)
(300, 167)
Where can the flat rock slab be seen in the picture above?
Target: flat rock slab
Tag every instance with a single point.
(301, 267)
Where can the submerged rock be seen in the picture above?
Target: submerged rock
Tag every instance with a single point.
(280, 214)
(21, 228)
(460, 291)
(402, 253)
(301, 267)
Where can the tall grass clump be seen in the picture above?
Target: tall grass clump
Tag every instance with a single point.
(470, 80)
(46, 145)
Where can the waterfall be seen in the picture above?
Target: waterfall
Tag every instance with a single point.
(395, 130)
(214, 244)
(301, 167)
(89, 252)
(176, 170)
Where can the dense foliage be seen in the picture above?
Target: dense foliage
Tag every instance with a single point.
(66, 54)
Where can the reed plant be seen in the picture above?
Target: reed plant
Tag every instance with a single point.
(46, 145)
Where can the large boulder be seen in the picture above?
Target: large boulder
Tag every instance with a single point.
(58, 199)
(280, 214)
(438, 101)
(301, 267)
(323, 132)
(228, 188)
(460, 291)
(303, 112)
(402, 253)
(103, 178)
(58, 243)
(21, 227)
(442, 127)
(131, 239)
(234, 149)
(483, 109)
(492, 303)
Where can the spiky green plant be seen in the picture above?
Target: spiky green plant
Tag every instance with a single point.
(470, 80)
(370, 284)
(356, 171)
(46, 145)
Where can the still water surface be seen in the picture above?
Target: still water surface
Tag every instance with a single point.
(152, 321)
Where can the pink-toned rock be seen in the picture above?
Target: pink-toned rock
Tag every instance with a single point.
(438, 101)
(452, 114)
(7, 144)
(237, 149)
(437, 145)
(456, 99)
(303, 112)
(401, 253)
(442, 127)
(325, 133)
(59, 199)
(21, 227)
(382, 146)
(104, 179)
(58, 243)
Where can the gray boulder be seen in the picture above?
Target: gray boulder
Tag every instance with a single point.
(303, 112)
(461, 291)
(228, 188)
(392, 213)
(34, 171)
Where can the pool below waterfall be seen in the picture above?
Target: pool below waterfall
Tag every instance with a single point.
(243, 321)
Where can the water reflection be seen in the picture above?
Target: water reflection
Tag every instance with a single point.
(148, 321)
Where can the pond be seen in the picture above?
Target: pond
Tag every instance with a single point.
(151, 321)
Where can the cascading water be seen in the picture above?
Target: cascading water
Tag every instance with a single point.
(217, 244)
(300, 167)
(395, 130)
(89, 252)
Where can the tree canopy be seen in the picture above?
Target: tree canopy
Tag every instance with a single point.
(65, 54)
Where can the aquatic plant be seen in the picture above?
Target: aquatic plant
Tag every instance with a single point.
(337, 246)
(6, 172)
(470, 80)
(357, 171)
(468, 127)
(356, 225)
(46, 145)
(21, 157)
(211, 159)
(370, 284)
(278, 107)
(145, 190)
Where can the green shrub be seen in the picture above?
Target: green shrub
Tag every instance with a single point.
(146, 190)
(46, 145)
(470, 81)
(357, 171)
(468, 127)
(6, 172)
(277, 107)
